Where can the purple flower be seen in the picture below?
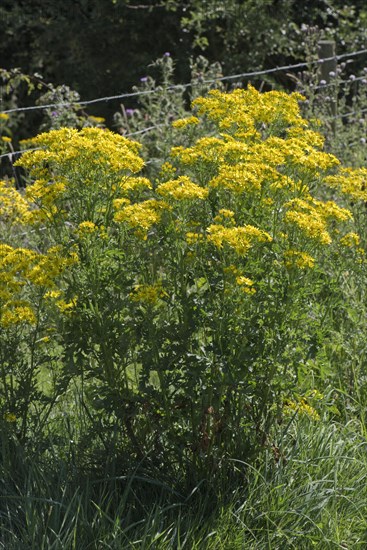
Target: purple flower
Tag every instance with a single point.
(144, 79)
(166, 54)
(130, 112)
(54, 113)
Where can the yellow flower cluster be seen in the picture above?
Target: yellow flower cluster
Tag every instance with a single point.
(256, 152)
(225, 216)
(130, 183)
(246, 284)
(183, 122)
(141, 215)
(299, 153)
(182, 189)
(70, 167)
(17, 312)
(249, 109)
(167, 171)
(312, 216)
(351, 182)
(193, 238)
(66, 307)
(350, 240)
(86, 228)
(95, 147)
(309, 137)
(331, 211)
(296, 258)
(241, 239)
(243, 177)
(301, 408)
(14, 208)
(310, 224)
(262, 162)
(207, 149)
(43, 195)
(325, 209)
(120, 203)
(55, 296)
(242, 113)
(22, 268)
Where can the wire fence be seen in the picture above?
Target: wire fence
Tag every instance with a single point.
(188, 84)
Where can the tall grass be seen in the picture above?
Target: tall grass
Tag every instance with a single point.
(308, 492)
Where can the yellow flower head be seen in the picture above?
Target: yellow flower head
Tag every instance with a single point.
(67, 308)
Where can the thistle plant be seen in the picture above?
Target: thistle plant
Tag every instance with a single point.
(160, 102)
(187, 310)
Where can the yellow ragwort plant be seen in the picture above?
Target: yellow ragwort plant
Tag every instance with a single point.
(190, 302)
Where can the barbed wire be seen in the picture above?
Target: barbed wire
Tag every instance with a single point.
(13, 153)
(186, 85)
(346, 115)
(335, 83)
(144, 130)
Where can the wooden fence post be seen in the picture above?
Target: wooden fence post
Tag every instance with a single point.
(328, 72)
(327, 52)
